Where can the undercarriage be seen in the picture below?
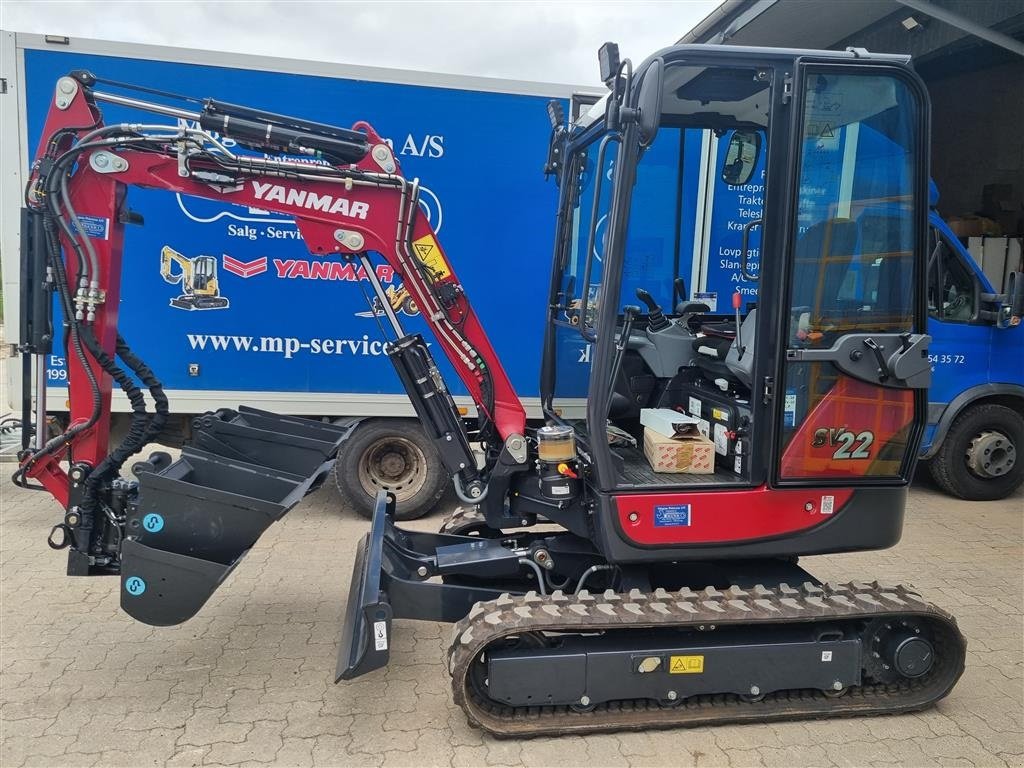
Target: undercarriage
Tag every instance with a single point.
(534, 661)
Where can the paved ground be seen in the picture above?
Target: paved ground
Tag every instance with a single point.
(249, 680)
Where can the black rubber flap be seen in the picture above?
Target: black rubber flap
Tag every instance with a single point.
(286, 443)
(366, 633)
(164, 588)
(209, 507)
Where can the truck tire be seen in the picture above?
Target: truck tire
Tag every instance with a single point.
(979, 459)
(393, 454)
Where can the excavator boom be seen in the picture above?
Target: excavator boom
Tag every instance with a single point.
(348, 210)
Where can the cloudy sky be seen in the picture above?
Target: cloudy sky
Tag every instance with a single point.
(549, 41)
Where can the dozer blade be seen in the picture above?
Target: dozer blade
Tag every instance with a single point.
(195, 519)
(367, 628)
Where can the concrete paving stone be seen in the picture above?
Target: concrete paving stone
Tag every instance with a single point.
(27, 726)
(505, 751)
(249, 681)
(371, 738)
(564, 751)
(261, 745)
(186, 757)
(306, 719)
(744, 758)
(430, 742)
(246, 705)
(295, 752)
(470, 757)
(204, 727)
(786, 757)
(15, 750)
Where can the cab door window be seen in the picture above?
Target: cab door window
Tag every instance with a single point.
(852, 272)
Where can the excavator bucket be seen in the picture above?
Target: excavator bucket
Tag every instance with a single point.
(197, 517)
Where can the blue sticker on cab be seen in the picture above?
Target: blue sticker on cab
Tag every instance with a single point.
(677, 514)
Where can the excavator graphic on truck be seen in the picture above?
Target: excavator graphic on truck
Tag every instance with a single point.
(644, 599)
(398, 298)
(197, 276)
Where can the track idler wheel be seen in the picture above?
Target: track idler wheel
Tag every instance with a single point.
(897, 650)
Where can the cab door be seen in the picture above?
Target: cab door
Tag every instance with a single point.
(851, 391)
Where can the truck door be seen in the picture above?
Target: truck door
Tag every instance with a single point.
(851, 392)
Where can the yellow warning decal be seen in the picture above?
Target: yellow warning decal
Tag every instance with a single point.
(719, 414)
(427, 251)
(686, 665)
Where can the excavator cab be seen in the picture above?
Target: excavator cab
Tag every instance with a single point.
(205, 272)
(796, 347)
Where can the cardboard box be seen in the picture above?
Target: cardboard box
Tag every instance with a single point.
(665, 421)
(691, 454)
(973, 226)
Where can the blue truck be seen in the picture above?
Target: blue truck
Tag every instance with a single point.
(242, 307)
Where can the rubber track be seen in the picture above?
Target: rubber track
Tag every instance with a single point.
(462, 518)
(492, 620)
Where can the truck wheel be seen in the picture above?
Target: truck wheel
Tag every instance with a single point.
(979, 459)
(393, 455)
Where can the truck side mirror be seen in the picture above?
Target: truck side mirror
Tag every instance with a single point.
(741, 157)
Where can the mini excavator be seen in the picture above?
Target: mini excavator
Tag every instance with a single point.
(197, 277)
(588, 592)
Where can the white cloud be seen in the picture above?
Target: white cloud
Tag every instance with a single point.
(550, 41)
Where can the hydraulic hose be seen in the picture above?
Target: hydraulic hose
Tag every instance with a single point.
(75, 342)
(460, 492)
(156, 390)
(590, 572)
(136, 432)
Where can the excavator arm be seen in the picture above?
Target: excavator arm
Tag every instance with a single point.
(349, 201)
(168, 258)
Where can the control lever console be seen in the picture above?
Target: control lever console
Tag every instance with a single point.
(656, 320)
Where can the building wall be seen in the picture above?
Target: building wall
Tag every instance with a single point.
(977, 135)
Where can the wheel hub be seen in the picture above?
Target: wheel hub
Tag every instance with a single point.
(394, 464)
(991, 454)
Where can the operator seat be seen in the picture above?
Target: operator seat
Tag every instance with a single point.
(717, 354)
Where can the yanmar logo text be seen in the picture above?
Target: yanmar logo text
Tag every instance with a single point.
(329, 270)
(302, 198)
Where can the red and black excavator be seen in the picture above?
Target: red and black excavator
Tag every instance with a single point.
(588, 591)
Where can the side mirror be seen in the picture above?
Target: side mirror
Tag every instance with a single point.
(741, 157)
(649, 102)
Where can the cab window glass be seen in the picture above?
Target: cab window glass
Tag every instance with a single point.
(854, 265)
(594, 173)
